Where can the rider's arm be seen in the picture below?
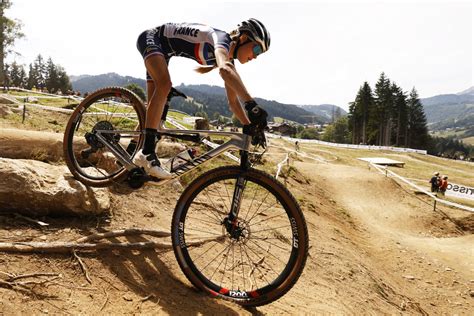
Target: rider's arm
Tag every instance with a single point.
(234, 86)
(235, 106)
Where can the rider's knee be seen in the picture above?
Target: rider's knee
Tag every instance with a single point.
(164, 86)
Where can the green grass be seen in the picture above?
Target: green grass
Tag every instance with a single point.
(277, 119)
(457, 134)
(468, 141)
(417, 166)
(23, 94)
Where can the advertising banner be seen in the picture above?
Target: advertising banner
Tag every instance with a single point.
(460, 191)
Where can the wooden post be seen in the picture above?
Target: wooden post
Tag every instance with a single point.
(24, 110)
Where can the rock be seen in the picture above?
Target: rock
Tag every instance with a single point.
(127, 297)
(4, 111)
(471, 293)
(6, 99)
(23, 144)
(409, 277)
(36, 188)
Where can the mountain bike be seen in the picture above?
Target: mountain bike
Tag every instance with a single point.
(237, 233)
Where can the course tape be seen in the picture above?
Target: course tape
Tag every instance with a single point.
(367, 147)
(280, 165)
(46, 94)
(386, 171)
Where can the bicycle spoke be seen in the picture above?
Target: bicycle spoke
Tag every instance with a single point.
(266, 219)
(268, 252)
(251, 202)
(225, 264)
(262, 263)
(203, 231)
(202, 254)
(205, 212)
(212, 260)
(256, 212)
(279, 247)
(201, 220)
(256, 267)
(273, 228)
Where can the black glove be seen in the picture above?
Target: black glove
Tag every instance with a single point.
(258, 134)
(256, 114)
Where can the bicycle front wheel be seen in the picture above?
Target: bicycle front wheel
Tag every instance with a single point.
(116, 111)
(264, 255)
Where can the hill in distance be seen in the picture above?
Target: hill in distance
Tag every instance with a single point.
(210, 99)
(88, 83)
(450, 110)
(442, 111)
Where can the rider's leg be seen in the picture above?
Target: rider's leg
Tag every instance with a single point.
(150, 89)
(157, 68)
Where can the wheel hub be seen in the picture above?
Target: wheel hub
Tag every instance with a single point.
(94, 141)
(239, 231)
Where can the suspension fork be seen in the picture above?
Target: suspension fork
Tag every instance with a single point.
(231, 221)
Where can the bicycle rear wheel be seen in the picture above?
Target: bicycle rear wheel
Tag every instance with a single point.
(115, 110)
(263, 260)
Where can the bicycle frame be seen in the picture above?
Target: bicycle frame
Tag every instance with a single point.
(237, 141)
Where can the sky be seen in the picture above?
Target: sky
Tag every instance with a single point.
(321, 51)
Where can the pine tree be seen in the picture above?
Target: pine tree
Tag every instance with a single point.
(15, 74)
(23, 78)
(354, 119)
(359, 114)
(32, 78)
(137, 90)
(10, 30)
(52, 77)
(417, 136)
(64, 82)
(400, 115)
(380, 116)
(41, 72)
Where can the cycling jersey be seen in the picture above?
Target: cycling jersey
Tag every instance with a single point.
(190, 40)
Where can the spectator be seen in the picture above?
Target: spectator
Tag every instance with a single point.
(297, 146)
(435, 180)
(444, 185)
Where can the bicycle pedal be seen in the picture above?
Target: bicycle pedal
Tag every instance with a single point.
(136, 178)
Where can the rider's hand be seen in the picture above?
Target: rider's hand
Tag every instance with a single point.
(256, 114)
(257, 133)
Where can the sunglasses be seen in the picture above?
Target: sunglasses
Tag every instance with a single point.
(257, 50)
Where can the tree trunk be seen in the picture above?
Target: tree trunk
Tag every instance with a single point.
(388, 133)
(364, 130)
(397, 141)
(2, 48)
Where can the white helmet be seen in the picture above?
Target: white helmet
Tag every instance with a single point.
(256, 31)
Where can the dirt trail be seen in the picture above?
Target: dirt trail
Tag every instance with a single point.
(425, 255)
(376, 248)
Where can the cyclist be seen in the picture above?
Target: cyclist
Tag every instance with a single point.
(212, 48)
